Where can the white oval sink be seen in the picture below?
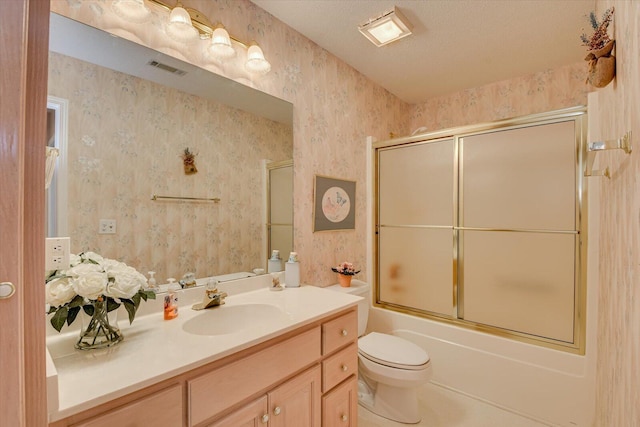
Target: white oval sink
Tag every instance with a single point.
(231, 319)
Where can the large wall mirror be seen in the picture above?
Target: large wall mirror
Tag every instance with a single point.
(131, 113)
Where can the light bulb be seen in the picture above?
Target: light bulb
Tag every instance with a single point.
(131, 10)
(256, 62)
(220, 46)
(180, 27)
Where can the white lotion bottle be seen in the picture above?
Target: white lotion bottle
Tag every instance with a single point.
(275, 263)
(292, 271)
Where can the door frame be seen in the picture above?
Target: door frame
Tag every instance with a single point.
(23, 88)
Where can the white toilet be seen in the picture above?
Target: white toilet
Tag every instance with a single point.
(390, 368)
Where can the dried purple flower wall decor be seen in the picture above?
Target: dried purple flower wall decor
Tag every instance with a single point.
(602, 64)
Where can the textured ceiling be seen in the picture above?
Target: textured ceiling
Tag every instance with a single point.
(456, 44)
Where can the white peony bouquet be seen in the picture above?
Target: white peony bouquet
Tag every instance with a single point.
(91, 278)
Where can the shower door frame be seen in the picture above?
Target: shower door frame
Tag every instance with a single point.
(576, 114)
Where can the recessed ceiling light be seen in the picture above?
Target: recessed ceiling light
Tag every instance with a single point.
(386, 28)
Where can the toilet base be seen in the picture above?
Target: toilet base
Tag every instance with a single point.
(394, 403)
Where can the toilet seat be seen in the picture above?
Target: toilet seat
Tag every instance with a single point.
(392, 351)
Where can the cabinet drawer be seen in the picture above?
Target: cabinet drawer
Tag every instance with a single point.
(339, 366)
(340, 406)
(339, 332)
(161, 409)
(211, 393)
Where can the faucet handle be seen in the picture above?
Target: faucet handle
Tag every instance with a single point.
(215, 294)
(188, 280)
(212, 284)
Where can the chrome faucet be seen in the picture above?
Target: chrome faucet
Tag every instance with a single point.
(212, 297)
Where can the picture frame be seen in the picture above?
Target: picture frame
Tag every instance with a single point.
(334, 204)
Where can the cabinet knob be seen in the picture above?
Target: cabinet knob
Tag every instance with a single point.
(265, 418)
(344, 332)
(277, 410)
(344, 418)
(344, 368)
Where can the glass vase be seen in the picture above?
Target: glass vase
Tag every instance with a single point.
(99, 330)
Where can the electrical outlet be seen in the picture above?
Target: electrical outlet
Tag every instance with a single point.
(56, 252)
(107, 226)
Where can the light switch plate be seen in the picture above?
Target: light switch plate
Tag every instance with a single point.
(56, 252)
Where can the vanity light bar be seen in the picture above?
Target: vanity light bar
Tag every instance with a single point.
(220, 47)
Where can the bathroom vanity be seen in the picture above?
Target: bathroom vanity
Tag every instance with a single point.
(284, 358)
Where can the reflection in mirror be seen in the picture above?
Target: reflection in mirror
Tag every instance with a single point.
(56, 192)
(127, 136)
(280, 210)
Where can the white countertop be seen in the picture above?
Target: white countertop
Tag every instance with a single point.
(154, 349)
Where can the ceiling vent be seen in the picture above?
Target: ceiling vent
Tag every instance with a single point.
(386, 28)
(167, 68)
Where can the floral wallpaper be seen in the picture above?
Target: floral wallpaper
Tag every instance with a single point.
(535, 93)
(126, 137)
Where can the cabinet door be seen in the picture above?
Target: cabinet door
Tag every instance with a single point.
(340, 406)
(296, 403)
(254, 414)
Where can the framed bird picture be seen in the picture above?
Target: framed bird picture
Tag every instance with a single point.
(334, 204)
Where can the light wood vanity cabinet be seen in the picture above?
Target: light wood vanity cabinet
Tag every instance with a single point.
(304, 378)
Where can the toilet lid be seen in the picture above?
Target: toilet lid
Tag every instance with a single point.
(392, 351)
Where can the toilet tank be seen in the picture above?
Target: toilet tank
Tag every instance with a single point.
(361, 289)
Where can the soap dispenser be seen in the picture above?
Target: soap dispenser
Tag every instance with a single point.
(151, 283)
(292, 271)
(171, 300)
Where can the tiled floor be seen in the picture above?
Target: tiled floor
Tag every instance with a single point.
(441, 407)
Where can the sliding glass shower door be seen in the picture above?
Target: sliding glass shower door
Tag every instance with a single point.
(416, 200)
(483, 228)
(518, 229)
